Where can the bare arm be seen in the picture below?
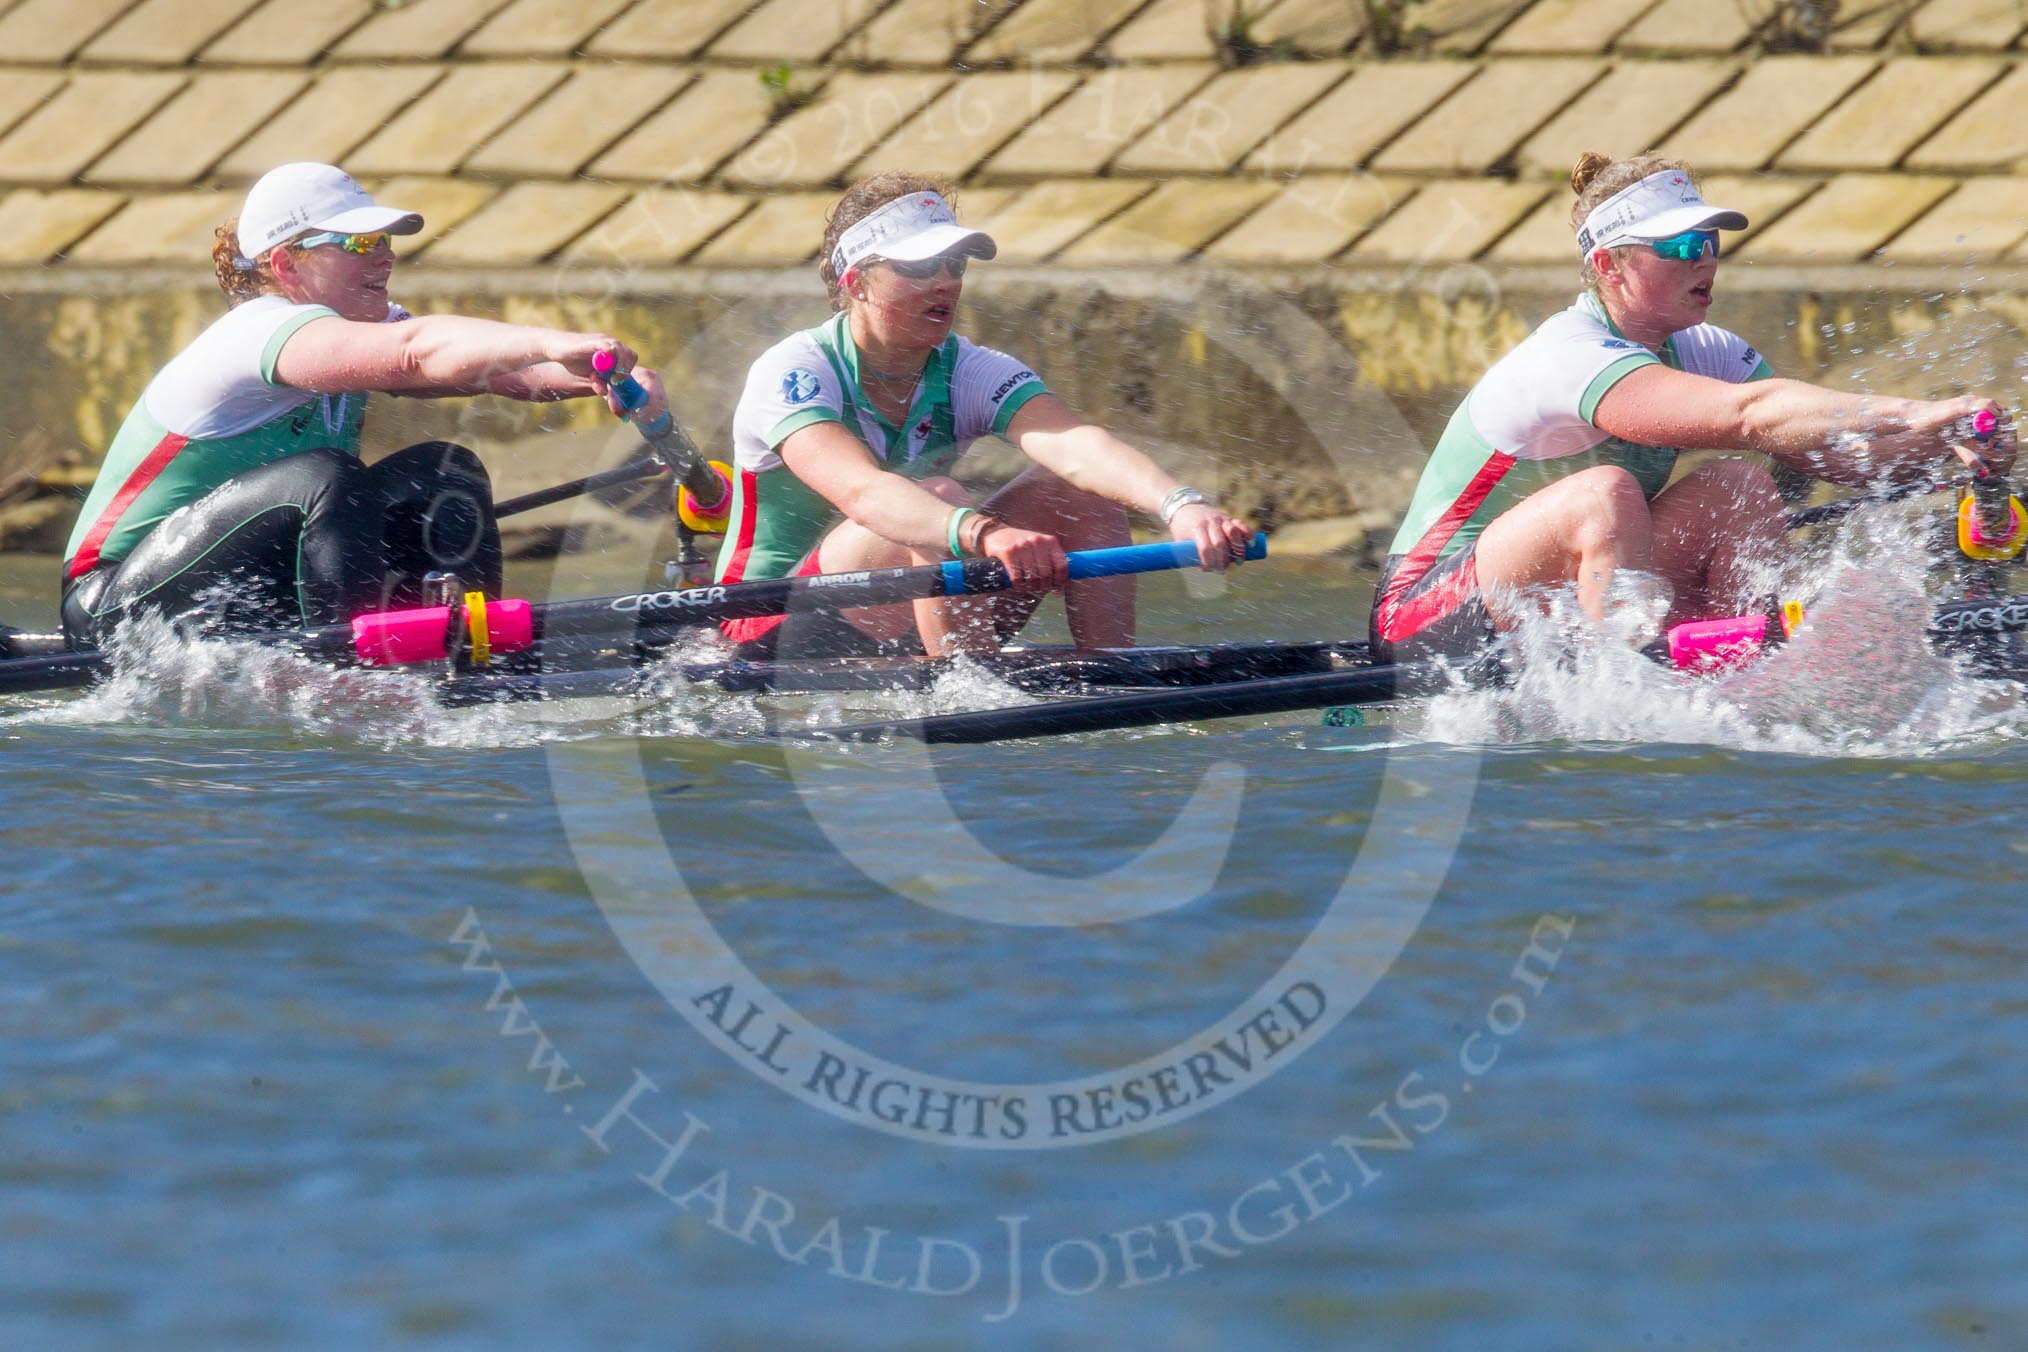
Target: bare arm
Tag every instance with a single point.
(838, 465)
(539, 384)
(1846, 438)
(446, 353)
(1087, 456)
(1091, 458)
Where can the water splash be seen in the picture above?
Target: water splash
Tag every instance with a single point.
(1858, 678)
(162, 678)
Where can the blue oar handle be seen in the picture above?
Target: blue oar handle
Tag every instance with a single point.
(969, 575)
(629, 392)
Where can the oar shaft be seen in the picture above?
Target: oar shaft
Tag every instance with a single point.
(669, 441)
(633, 470)
(1275, 694)
(648, 613)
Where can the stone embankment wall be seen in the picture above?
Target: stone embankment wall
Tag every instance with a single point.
(1265, 236)
(1302, 397)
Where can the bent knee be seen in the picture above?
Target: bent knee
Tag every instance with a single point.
(1603, 498)
(1610, 487)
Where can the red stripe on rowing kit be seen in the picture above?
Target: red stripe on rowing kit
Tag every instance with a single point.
(150, 468)
(749, 517)
(1397, 621)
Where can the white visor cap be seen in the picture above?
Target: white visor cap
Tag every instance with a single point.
(304, 196)
(909, 229)
(1660, 206)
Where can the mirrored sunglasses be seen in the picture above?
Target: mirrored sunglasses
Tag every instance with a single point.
(1687, 247)
(352, 244)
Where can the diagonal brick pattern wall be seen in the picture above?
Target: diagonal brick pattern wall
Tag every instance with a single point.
(1087, 132)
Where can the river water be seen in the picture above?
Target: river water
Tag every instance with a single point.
(1593, 1014)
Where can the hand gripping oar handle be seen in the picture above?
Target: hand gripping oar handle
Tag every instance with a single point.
(1984, 425)
(706, 498)
(1089, 563)
(1992, 526)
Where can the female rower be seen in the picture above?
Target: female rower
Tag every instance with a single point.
(234, 488)
(1553, 469)
(846, 435)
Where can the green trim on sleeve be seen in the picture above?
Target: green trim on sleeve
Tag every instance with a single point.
(1610, 377)
(1760, 372)
(1013, 405)
(272, 353)
(797, 421)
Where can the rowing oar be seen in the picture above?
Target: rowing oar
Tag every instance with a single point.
(1988, 487)
(647, 467)
(704, 487)
(1103, 713)
(1693, 647)
(471, 635)
(1843, 507)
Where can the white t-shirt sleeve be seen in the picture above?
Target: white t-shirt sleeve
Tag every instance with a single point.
(1536, 403)
(222, 384)
(1708, 350)
(987, 389)
(792, 385)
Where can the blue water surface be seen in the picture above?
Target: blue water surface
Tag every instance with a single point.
(318, 1039)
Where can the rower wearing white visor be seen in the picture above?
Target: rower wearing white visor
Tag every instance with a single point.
(1556, 469)
(234, 488)
(846, 435)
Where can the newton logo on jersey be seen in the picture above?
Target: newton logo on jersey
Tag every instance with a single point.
(800, 386)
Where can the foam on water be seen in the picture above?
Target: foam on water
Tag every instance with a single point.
(163, 678)
(1857, 679)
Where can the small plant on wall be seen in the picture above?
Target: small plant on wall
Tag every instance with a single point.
(784, 94)
(1237, 33)
(1389, 29)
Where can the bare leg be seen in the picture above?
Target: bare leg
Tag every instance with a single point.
(1582, 529)
(1715, 528)
(946, 626)
(1101, 610)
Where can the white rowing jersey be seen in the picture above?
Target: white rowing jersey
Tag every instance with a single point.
(216, 410)
(1528, 422)
(966, 392)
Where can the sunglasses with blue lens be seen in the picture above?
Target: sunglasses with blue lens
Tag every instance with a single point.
(1687, 247)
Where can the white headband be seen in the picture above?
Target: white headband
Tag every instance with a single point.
(1660, 206)
(908, 229)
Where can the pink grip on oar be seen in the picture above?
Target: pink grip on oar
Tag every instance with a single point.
(391, 637)
(603, 361)
(1717, 645)
(511, 625)
(1985, 422)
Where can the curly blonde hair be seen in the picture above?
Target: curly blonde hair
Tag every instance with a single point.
(239, 283)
